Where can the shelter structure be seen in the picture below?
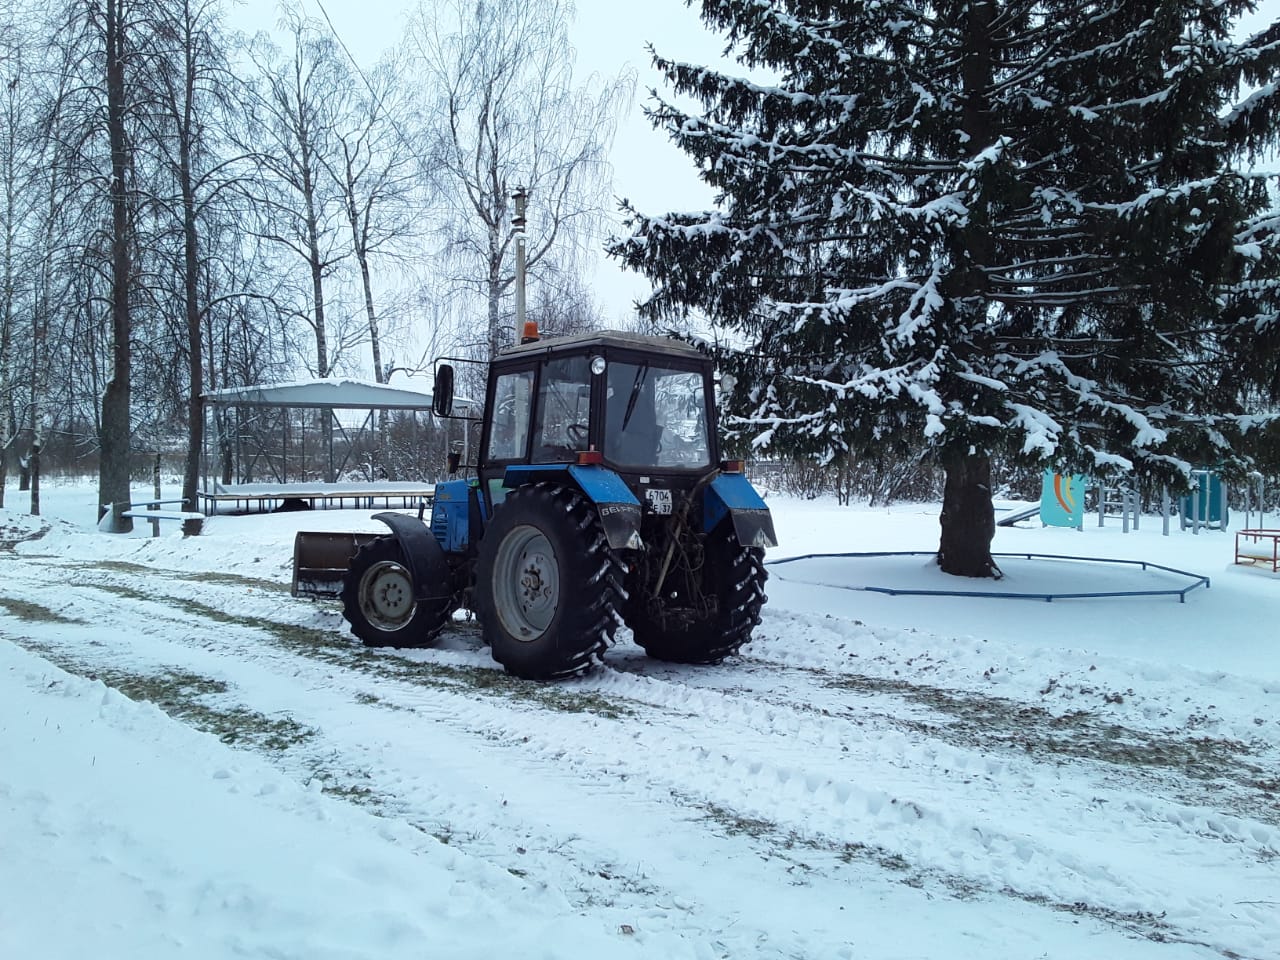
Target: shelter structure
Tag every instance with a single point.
(321, 443)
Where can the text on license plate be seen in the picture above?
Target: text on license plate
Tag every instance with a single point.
(659, 500)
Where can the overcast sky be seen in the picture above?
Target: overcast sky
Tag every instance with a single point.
(609, 35)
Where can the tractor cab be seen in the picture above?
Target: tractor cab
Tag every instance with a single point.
(639, 406)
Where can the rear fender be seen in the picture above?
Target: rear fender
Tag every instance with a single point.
(732, 495)
(423, 554)
(617, 506)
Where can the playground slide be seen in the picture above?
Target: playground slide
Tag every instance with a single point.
(1013, 518)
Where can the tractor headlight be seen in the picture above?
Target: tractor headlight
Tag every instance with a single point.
(597, 365)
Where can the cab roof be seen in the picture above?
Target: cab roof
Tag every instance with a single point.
(604, 339)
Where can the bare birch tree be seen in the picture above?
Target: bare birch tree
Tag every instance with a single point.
(302, 94)
(11, 147)
(505, 112)
(375, 169)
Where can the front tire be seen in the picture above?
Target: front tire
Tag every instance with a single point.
(707, 620)
(547, 585)
(378, 599)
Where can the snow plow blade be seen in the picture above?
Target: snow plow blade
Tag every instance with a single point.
(320, 561)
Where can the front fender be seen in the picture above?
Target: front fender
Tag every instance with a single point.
(616, 505)
(423, 554)
(732, 495)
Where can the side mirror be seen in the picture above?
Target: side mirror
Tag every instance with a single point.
(453, 461)
(442, 393)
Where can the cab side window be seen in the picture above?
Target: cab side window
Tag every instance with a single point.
(512, 404)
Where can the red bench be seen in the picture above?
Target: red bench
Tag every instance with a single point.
(1258, 546)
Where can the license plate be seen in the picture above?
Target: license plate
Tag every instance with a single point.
(659, 500)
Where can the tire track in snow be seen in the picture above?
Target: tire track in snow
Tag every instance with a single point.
(745, 755)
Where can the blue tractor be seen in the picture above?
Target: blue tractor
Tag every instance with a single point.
(598, 494)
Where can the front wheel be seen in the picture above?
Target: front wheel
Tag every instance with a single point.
(379, 599)
(547, 584)
(706, 611)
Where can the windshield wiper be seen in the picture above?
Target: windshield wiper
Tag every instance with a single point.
(635, 394)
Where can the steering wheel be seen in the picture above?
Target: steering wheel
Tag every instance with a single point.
(577, 433)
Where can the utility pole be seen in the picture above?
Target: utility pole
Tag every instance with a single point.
(521, 198)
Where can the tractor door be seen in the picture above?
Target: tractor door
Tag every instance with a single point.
(541, 414)
(562, 421)
(506, 433)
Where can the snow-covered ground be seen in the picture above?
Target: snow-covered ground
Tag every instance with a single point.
(194, 764)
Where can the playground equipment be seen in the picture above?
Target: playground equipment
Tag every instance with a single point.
(1062, 499)
(1258, 547)
(1125, 501)
(1206, 505)
(1062, 503)
(1255, 494)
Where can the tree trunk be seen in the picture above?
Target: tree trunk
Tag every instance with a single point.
(195, 407)
(113, 472)
(494, 298)
(968, 520)
(191, 292)
(381, 459)
(317, 296)
(6, 319)
(35, 480)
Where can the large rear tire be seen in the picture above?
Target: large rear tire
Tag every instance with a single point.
(378, 599)
(687, 628)
(547, 585)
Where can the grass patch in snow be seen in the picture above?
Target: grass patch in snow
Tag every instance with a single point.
(33, 612)
(988, 722)
(348, 786)
(737, 824)
(117, 566)
(181, 695)
(202, 576)
(235, 580)
(184, 695)
(340, 650)
(373, 700)
(777, 842)
(885, 859)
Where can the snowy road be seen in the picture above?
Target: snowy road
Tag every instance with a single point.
(840, 790)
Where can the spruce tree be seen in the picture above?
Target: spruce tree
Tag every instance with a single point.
(1025, 228)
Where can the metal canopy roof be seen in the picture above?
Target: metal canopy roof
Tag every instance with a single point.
(331, 394)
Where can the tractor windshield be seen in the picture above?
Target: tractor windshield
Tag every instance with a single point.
(655, 416)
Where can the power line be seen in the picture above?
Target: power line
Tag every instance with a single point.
(343, 45)
(378, 100)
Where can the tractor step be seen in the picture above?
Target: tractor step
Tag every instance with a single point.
(321, 559)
